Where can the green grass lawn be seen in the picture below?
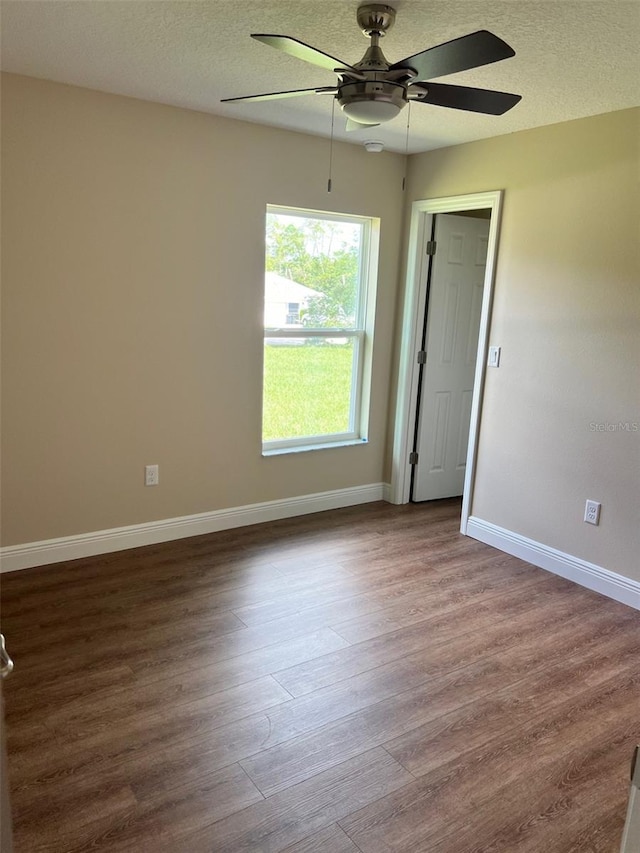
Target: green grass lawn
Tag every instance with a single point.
(307, 390)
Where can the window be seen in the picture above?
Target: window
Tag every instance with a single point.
(318, 328)
(293, 313)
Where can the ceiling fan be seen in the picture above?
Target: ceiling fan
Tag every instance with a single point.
(373, 90)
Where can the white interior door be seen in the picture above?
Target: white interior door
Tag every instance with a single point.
(451, 342)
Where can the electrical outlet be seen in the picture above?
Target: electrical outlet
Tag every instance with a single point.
(151, 475)
(592, 512)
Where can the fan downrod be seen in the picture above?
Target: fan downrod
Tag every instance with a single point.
(375, 18)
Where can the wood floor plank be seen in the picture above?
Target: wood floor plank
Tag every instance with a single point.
(391, 685)
(598, 831)
(287, 818)
(50, 825)
(435, 603)
(166, 819)
(162, 823)
(186, 757)
(555, 810)
(275, 768)
(194, 654)
(243, 738)
(150, 586)
(514, 706)
(462, 582)
(122, 641)
(232, 668)
(135, 712)
(428, 815)
(405, 553)
(234, 590)
(441, 641)
(161, 759)
(195, 677)
(330, 840)
(615, 654)
(27, 699)
(287, 605)
(229, 673)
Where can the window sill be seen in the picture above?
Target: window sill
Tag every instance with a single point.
(304, 448)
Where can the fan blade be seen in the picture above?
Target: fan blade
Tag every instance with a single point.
(461, 54)
(464, 98)
(303, 51)
(356, 125)
(272, 96)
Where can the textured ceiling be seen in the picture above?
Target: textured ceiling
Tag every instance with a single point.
(574, 58)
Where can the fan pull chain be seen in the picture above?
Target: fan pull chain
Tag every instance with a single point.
(333, 112)
(406, 147)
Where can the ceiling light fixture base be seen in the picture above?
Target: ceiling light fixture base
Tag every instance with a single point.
(375, 18)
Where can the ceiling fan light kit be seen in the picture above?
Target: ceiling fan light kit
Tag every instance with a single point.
(373, 91)
(371, 103)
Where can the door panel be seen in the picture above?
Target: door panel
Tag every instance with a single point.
(453, 322)
(442, 405)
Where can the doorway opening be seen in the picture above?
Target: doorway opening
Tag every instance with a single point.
(444, 347)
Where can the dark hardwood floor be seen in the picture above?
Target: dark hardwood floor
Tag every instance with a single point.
(365, 679)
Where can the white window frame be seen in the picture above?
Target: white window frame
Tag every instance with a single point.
(361, 336)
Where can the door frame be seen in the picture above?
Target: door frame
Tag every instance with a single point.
(422, 213)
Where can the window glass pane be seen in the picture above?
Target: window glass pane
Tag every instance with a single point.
(307, 387)
(316, 264)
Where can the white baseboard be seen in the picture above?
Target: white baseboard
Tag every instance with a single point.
(574, 569)
(48, 551)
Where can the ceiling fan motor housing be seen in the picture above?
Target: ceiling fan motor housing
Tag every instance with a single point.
(373, 98)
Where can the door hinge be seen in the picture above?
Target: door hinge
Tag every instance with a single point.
(431, 247)
(413, 458)
(422, 357)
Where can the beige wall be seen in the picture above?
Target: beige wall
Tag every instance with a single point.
(132, 269)
(132, 238)
(567, 316)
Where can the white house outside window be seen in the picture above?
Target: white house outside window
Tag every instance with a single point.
(319, 301)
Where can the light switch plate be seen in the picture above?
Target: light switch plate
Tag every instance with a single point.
(494, 357)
